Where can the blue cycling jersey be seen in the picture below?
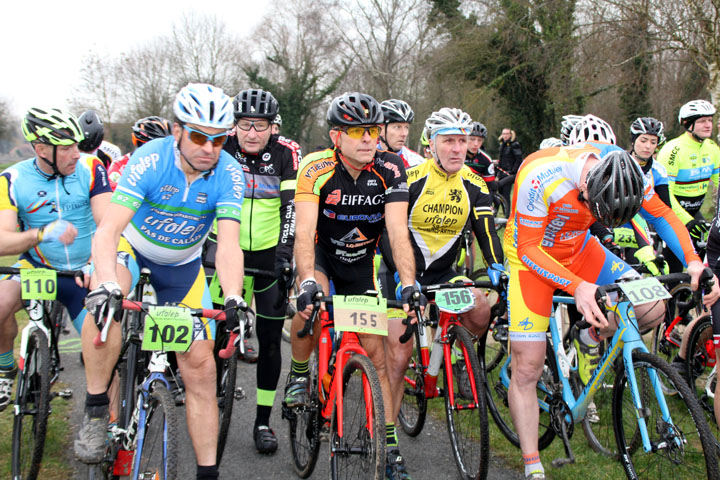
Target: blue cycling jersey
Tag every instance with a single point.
(172, 218)
(39, 198)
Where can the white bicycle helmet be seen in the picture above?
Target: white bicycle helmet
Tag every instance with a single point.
(449, 121)
(204, 105)
(693, 110)
(550, 142)
(592, 129)
(567, 125)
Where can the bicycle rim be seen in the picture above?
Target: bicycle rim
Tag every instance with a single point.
(414, 403)
(227, 376)
(157, 457)
(33, 408)
(467, 414)
(360, 452)
(699, 364)
(683, 448)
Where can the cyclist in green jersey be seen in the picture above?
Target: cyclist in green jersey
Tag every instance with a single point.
(691, 161)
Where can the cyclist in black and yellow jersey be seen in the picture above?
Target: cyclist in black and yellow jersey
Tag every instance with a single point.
(445, 196)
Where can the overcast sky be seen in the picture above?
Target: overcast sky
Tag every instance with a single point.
(43, 42)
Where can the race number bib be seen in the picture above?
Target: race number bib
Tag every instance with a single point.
(38, 283)
(455, 300)
(360, 313)
(645, 290)
(167, 328)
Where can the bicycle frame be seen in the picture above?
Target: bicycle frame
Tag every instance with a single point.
(349, 344)
(626, 339)
(431, 361)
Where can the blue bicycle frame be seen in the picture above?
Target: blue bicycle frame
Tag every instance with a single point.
(628, 339)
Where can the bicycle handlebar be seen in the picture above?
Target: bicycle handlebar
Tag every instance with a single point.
(62, 273)
(320, 298)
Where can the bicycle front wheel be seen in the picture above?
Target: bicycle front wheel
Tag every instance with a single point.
(680, 446)
(226, 377)
(414, 402)
(32, 408)
(360, 451)
(156, 455)
(701, 371)
(304, 425)
(466, 411)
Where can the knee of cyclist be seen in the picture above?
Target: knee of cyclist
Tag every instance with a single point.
(527, 373)
(199, 370)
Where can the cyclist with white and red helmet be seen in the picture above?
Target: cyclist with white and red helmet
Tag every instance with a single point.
(398, 116)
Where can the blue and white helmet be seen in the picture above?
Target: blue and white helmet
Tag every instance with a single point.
(449, 121)
(204, 105)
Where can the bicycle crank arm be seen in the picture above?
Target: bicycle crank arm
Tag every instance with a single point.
(559, 462)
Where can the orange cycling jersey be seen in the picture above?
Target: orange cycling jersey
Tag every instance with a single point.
(549, 225)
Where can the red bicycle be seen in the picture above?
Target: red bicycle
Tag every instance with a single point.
(454, 347)
(345, 391)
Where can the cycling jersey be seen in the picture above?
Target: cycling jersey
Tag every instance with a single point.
(409, 157)
(116, 169)
(268, 214)
(690, 166)
(173, 218)
(481, 164)
(548, 224)
(351, 212)
(39, 198)
(440, 207)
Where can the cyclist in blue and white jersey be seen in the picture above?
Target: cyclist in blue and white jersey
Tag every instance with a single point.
(55, 198)
(395, 130)
(170, 193)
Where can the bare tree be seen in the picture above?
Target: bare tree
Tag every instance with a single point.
(203, 50)
(99, 89)
(300, 64)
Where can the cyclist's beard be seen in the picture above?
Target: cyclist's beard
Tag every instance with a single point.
(189, 163)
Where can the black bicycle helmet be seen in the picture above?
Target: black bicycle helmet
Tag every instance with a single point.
(92, 127)
(478, 130)
(149, 128)
(646, 125)
(615, 189)
(354, 108)
(255, 103)
(397, 111)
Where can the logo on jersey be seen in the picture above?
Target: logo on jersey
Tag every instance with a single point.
(202, 198)
(329, 213)
(267, 169)
(333, 197)
(168, 191)
(535, 183)
(42, 193)
(390, 166)
(544, 273)
(617, 267)
(353, 239)
(455, 195)
(372, 183)
(266, 156)
(553, 228)
(317, 166)
(361, 200)
(143, 164)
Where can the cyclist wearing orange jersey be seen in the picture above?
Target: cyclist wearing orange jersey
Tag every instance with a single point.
(559, 193)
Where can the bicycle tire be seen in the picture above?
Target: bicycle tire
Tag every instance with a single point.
(360, 453)
(660, 345)
(226, 380)
(158, 453)
(304, 424)
(497, 398)
(500, 206)
(699, 364)
(696, 456)
(413, 409)
(32, 408)
(471, 457)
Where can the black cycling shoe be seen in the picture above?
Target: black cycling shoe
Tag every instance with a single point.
(395, 466)
(265, 441)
